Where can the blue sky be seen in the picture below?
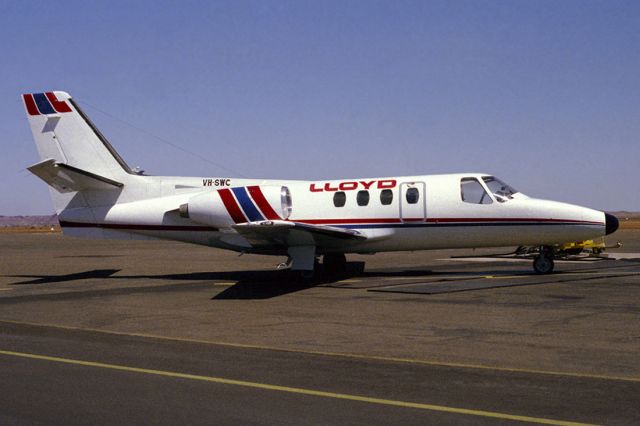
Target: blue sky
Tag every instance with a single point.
(543, 94)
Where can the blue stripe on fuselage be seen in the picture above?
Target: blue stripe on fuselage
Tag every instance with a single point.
(43, 103)
(247, 205)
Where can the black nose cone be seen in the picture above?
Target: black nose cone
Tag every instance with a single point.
(610, 223)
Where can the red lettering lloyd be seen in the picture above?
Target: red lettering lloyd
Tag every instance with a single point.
(351, 185)
(367, 185)
(327, 187)
(348, 186)
(386, 184)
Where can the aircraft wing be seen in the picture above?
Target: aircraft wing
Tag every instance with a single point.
(285, 234)
(66, 178)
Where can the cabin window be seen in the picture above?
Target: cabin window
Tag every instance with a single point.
(362, 198)
(473, 192)
(413, 195)
(339, 199)
(386, 197)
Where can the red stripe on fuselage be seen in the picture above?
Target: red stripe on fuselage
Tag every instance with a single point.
(31, 104)
(232, 206)
(345, 221)
(440, 220)
(507, 219)
(263, 204)
(60, 106)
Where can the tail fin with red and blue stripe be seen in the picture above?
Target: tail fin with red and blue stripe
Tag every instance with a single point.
(74, 155)
(65, 134)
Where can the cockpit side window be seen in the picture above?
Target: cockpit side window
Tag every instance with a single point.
(472, 191)
(500, 190)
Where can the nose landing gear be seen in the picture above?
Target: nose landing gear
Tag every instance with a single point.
(543, 262)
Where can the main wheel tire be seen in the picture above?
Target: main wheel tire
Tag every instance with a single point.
(334, 264)
(543, 264)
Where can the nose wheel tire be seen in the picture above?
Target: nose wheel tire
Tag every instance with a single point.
(543, 264)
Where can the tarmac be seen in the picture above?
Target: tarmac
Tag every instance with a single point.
(141, 332)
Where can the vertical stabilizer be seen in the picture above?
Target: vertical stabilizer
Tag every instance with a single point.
(65, 134)
(79, 164)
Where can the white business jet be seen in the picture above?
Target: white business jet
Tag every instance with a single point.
(97, 195)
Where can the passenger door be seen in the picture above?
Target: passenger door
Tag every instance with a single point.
(413, 203)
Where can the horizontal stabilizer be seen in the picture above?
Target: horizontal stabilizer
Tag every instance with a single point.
(64, 178)
(286, 234)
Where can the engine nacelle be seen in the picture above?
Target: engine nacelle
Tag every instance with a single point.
(227, 206)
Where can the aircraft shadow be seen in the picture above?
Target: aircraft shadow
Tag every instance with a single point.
(265, 285)
(259, 284)
(49, 279)
(268, 284)
(256, 284)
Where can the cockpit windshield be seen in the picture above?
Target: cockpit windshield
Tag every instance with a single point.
(500, 190)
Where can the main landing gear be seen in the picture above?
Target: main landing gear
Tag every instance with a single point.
(334, 264)
(303, 261)
(543, 262)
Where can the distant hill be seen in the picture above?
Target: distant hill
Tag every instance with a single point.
(28, 221)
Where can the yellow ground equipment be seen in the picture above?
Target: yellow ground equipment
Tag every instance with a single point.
(596, 247)
(592, 247)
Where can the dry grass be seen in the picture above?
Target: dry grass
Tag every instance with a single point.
(630, 224)
(29, 229)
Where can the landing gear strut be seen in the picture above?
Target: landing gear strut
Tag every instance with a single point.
(302, 260)
(543, 262)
